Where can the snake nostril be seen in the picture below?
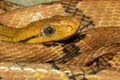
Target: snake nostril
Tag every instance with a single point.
(69, 28)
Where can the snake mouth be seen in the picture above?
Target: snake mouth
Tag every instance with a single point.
(27, 39)
(75, 38)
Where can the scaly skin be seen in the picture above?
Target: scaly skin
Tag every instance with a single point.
(105, 13)
(96, 36)
(63, 28)
(39, 52)
(93, 42)
(43, 71)
(6, 6)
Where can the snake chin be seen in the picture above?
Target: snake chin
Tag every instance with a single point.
(74, 39)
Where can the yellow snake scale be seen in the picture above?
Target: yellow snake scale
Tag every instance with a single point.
(93, 55)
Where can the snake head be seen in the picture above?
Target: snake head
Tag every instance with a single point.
(51, 29)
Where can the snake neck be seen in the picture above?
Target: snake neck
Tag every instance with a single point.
(8, 33)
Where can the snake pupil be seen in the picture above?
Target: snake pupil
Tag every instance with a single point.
(49, 30)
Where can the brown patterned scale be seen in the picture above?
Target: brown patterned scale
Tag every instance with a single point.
(95, 47)
(45, 54)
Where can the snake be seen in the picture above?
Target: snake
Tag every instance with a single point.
(57, 48)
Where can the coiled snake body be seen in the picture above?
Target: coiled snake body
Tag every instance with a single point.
(68, 55)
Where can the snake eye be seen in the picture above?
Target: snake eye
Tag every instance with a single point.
(48, 31)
